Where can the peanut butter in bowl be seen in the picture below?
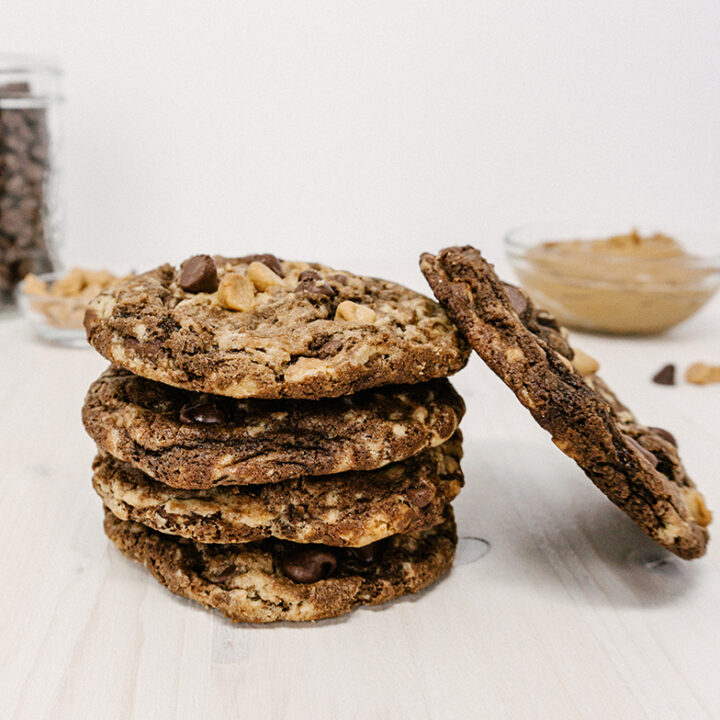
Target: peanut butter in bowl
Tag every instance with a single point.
(626, 284)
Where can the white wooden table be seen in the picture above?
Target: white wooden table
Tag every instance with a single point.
(563, 609)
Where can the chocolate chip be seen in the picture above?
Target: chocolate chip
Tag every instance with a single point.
(205, 413)
(318, 288)
(665, 435)
(266, 259)
(309, 275)
(642, 450)
(198, 274)
(368, 554)
(665, 376)
(332, 347)
(546, 319)
(422, 495)
(226, 574)
(517, 298)
(308, 564)
(339, 279)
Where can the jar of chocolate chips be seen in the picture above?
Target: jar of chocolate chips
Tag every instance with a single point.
(29, 207)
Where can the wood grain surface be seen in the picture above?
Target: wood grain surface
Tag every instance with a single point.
(557, 607)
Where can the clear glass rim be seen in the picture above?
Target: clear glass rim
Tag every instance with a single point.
(47, 277)
(516, 245)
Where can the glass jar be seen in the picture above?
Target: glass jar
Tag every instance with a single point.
(29, 182)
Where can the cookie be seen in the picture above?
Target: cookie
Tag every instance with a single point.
(191, 440)
(252, 582)
(351, 509)
(636, 466)
(263, 328)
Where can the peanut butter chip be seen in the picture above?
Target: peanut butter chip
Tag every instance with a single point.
(584, 363)
(702, 374)
(262, 276)
(352, 312)
(236, 292)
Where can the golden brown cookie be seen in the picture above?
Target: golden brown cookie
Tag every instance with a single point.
(264, 328)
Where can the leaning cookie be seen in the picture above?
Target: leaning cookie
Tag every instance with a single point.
(274, 581)
(191, 440)
(264, 328)
(636, 466)
(352, 509)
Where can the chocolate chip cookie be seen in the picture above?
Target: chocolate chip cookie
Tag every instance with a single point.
(264, 328)
(636, 466)
(192, 440)
(274, 581)
(351, 509)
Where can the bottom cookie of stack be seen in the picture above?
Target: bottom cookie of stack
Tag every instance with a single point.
(249, 582)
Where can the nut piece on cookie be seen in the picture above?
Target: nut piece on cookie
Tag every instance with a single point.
(262, 276)
(266, 259)
(698, 509)
(585, 364)
(702, 374)
(352, 312)
(236, 292)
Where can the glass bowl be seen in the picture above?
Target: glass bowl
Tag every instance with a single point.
(56, 319)
(604, 279)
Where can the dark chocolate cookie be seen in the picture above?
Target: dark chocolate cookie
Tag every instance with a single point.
(263, 328)
(273, 582)
(191, 440)
(351, 509)
(636, 466)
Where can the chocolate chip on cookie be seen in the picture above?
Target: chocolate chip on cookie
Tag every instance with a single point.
(664, 434)
(266, 259)
(311, 282)
(206, 413)
(198, 274)
(368, 554)
(308, 564)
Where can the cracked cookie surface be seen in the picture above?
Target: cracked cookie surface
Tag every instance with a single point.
(352, 509)
(140, 422)
(245, 582)
(636, 466)
(307, 331)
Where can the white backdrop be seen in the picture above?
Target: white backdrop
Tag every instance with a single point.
(360, 132)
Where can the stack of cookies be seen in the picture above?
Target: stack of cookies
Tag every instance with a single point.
(276, 440)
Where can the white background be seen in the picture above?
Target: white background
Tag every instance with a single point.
(352, 132)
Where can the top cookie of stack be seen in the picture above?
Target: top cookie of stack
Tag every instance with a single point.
(258, 327)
